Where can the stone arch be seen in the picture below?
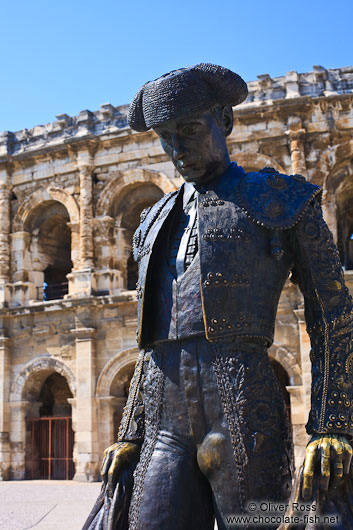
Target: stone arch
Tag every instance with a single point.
(118, 209)
(111, 394)
(288, 361)
(43, 196)
(334, 173)
(255, 161)
(328, 166)
(50, 213)
(34, 373)
(130, 178)
(121, 360)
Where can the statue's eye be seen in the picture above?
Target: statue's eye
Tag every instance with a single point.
(190, 129)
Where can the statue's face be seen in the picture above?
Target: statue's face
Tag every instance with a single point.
(197, 145)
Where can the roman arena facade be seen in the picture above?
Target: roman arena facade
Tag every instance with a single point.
(71, 193)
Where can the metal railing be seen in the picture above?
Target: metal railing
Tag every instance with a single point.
(53, 291)
(51, 448)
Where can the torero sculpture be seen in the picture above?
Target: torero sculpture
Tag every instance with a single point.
(205, 421)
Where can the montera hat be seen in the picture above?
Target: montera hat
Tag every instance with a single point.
(185, 92)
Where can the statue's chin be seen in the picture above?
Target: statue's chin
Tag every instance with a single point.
(197, 176)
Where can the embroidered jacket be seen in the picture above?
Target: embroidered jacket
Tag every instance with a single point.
(253, 230)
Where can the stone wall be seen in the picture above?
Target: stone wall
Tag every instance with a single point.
(70, 197)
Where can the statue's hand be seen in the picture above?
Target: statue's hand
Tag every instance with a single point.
(115, 456)
(334, 453)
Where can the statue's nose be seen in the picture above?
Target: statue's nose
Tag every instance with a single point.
(179, 148)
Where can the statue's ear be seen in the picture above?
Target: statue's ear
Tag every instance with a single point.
(135, 115)
(227, 118)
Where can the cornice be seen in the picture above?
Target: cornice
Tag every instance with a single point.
(267, 95)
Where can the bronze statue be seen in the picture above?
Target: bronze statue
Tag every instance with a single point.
(205, 423)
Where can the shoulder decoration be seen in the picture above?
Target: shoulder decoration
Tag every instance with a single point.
(274, 200)
(147, 219)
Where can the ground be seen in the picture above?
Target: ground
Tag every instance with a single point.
(46, 504)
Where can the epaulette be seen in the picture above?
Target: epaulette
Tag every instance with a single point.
(274, 200)
(147, 218)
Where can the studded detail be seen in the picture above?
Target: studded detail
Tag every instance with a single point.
(217, 234)
(214, 234)
(220, 324)
(217, 280)
(211, 202)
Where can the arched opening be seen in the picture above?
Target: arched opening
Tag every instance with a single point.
(49, 435)
(283, 379)
(132, 273)
(54, 396)
(340, 183)
(111, 392)
(50, 249)
(126, 209)
(344, 201)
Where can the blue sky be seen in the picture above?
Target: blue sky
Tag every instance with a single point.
(69, 55)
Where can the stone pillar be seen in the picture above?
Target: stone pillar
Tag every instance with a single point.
(22, 290)
(298, 420)
(296, 136)
(5, 369)
(86, 216)
(108, 275)
(73, 403)
(82, 280)
(75, 244)
(304, 341)
(107, 407)
(4, 232)
(86, 435)
(4, 243)
(18, 438)
(329, 212)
